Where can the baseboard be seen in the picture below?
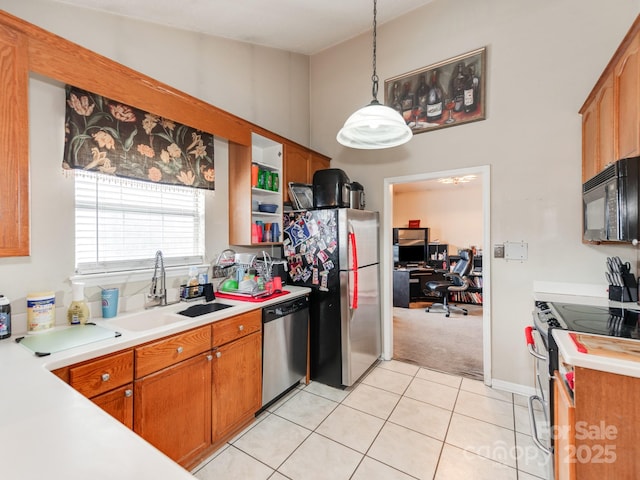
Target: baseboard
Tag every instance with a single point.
(513, 387)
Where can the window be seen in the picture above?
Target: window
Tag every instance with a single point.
(121, 223)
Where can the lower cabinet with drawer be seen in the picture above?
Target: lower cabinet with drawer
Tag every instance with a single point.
(187, 393)
(107, 381)
(172, 394)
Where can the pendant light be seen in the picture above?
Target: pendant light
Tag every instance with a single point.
(374, 126)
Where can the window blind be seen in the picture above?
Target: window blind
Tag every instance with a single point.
(121, 223)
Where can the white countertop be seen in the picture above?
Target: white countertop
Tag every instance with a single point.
(49, 430)
(567, 348)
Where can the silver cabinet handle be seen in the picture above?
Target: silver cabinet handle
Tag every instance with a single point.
(534, 426)
(241, 327)
(218, 354)
(209, 357)
(128, 392)
(179, 349)
(105, 377)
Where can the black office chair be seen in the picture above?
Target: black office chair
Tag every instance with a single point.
(458, 282)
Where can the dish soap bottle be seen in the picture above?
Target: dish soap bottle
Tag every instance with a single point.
(78, 313)
(5, 317)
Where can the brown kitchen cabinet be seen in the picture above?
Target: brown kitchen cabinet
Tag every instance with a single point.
(172, 394)
(236, 373)
(106, 381)
(598, 131)
(627, 86)
(300, 164)
(565, 443)
(172, 409)
(187, 393)
(596, 434)
(14, 143)
(611, 112)
(118, 403)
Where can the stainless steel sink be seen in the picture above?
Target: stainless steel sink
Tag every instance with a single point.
(203, 309)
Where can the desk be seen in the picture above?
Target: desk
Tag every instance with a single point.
(409, 284)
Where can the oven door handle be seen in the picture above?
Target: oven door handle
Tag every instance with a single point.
(531, 343)
(534, 426)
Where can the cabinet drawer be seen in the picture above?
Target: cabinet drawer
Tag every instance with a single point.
(225, 331)
(102, 375)
(168, 351)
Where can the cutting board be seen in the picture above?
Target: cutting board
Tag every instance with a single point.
(56, 340)
(612, 347)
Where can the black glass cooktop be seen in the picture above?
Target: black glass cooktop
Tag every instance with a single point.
(617, 322)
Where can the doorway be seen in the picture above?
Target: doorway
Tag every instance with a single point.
(483, 174)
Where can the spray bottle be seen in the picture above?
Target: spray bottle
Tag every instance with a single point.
(78, 313)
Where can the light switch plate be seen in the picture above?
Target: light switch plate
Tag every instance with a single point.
(498, 251)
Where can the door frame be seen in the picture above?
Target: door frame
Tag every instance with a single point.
(386, 251)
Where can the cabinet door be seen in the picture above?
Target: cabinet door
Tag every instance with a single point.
(237, 384)
(172, 408)
(627, 106)
(317, 162)
(118, 403)
(565, 436)
(296, 167)
(589, 142)
(14, 144)
(598, 131)
(606, 131)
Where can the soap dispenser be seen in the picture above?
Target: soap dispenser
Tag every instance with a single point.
(78, 313)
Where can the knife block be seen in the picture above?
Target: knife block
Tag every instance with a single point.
(626, 293)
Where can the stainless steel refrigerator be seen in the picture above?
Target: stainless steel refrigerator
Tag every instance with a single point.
(335, 252)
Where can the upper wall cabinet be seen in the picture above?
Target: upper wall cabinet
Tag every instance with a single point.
(14, 144)
(300, 164)
(627, 86)
(611, 113)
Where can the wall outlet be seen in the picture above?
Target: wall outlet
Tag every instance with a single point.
(498, 251)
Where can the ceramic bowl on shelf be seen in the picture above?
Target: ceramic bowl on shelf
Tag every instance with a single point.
(268, 207)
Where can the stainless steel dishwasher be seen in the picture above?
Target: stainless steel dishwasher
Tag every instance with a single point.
(284, 347)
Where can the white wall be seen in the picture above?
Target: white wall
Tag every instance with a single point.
(543, 59)
(265, 86)
(452, 214)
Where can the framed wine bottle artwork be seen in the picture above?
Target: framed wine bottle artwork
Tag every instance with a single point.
(445, 94)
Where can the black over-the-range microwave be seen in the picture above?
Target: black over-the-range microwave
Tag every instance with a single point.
(611, 203)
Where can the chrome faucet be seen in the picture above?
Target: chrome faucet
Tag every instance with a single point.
(158, 296)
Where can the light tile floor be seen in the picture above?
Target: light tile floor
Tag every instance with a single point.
(400, 422)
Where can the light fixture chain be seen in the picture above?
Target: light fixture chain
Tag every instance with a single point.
(374, 77)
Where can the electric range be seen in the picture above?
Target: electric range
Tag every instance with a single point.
(616, 321)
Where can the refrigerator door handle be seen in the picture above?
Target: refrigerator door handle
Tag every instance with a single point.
(354, 267)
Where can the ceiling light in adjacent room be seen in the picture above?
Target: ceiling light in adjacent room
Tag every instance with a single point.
(457, 180)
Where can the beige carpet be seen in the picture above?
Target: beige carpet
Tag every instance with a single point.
(429, 339)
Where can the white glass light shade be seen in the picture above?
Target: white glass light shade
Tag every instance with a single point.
(374, 126)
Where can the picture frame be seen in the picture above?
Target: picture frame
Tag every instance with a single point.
(445, 94)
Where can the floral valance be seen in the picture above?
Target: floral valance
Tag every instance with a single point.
(110, 137)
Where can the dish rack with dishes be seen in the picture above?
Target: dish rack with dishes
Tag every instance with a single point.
(247, 275)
